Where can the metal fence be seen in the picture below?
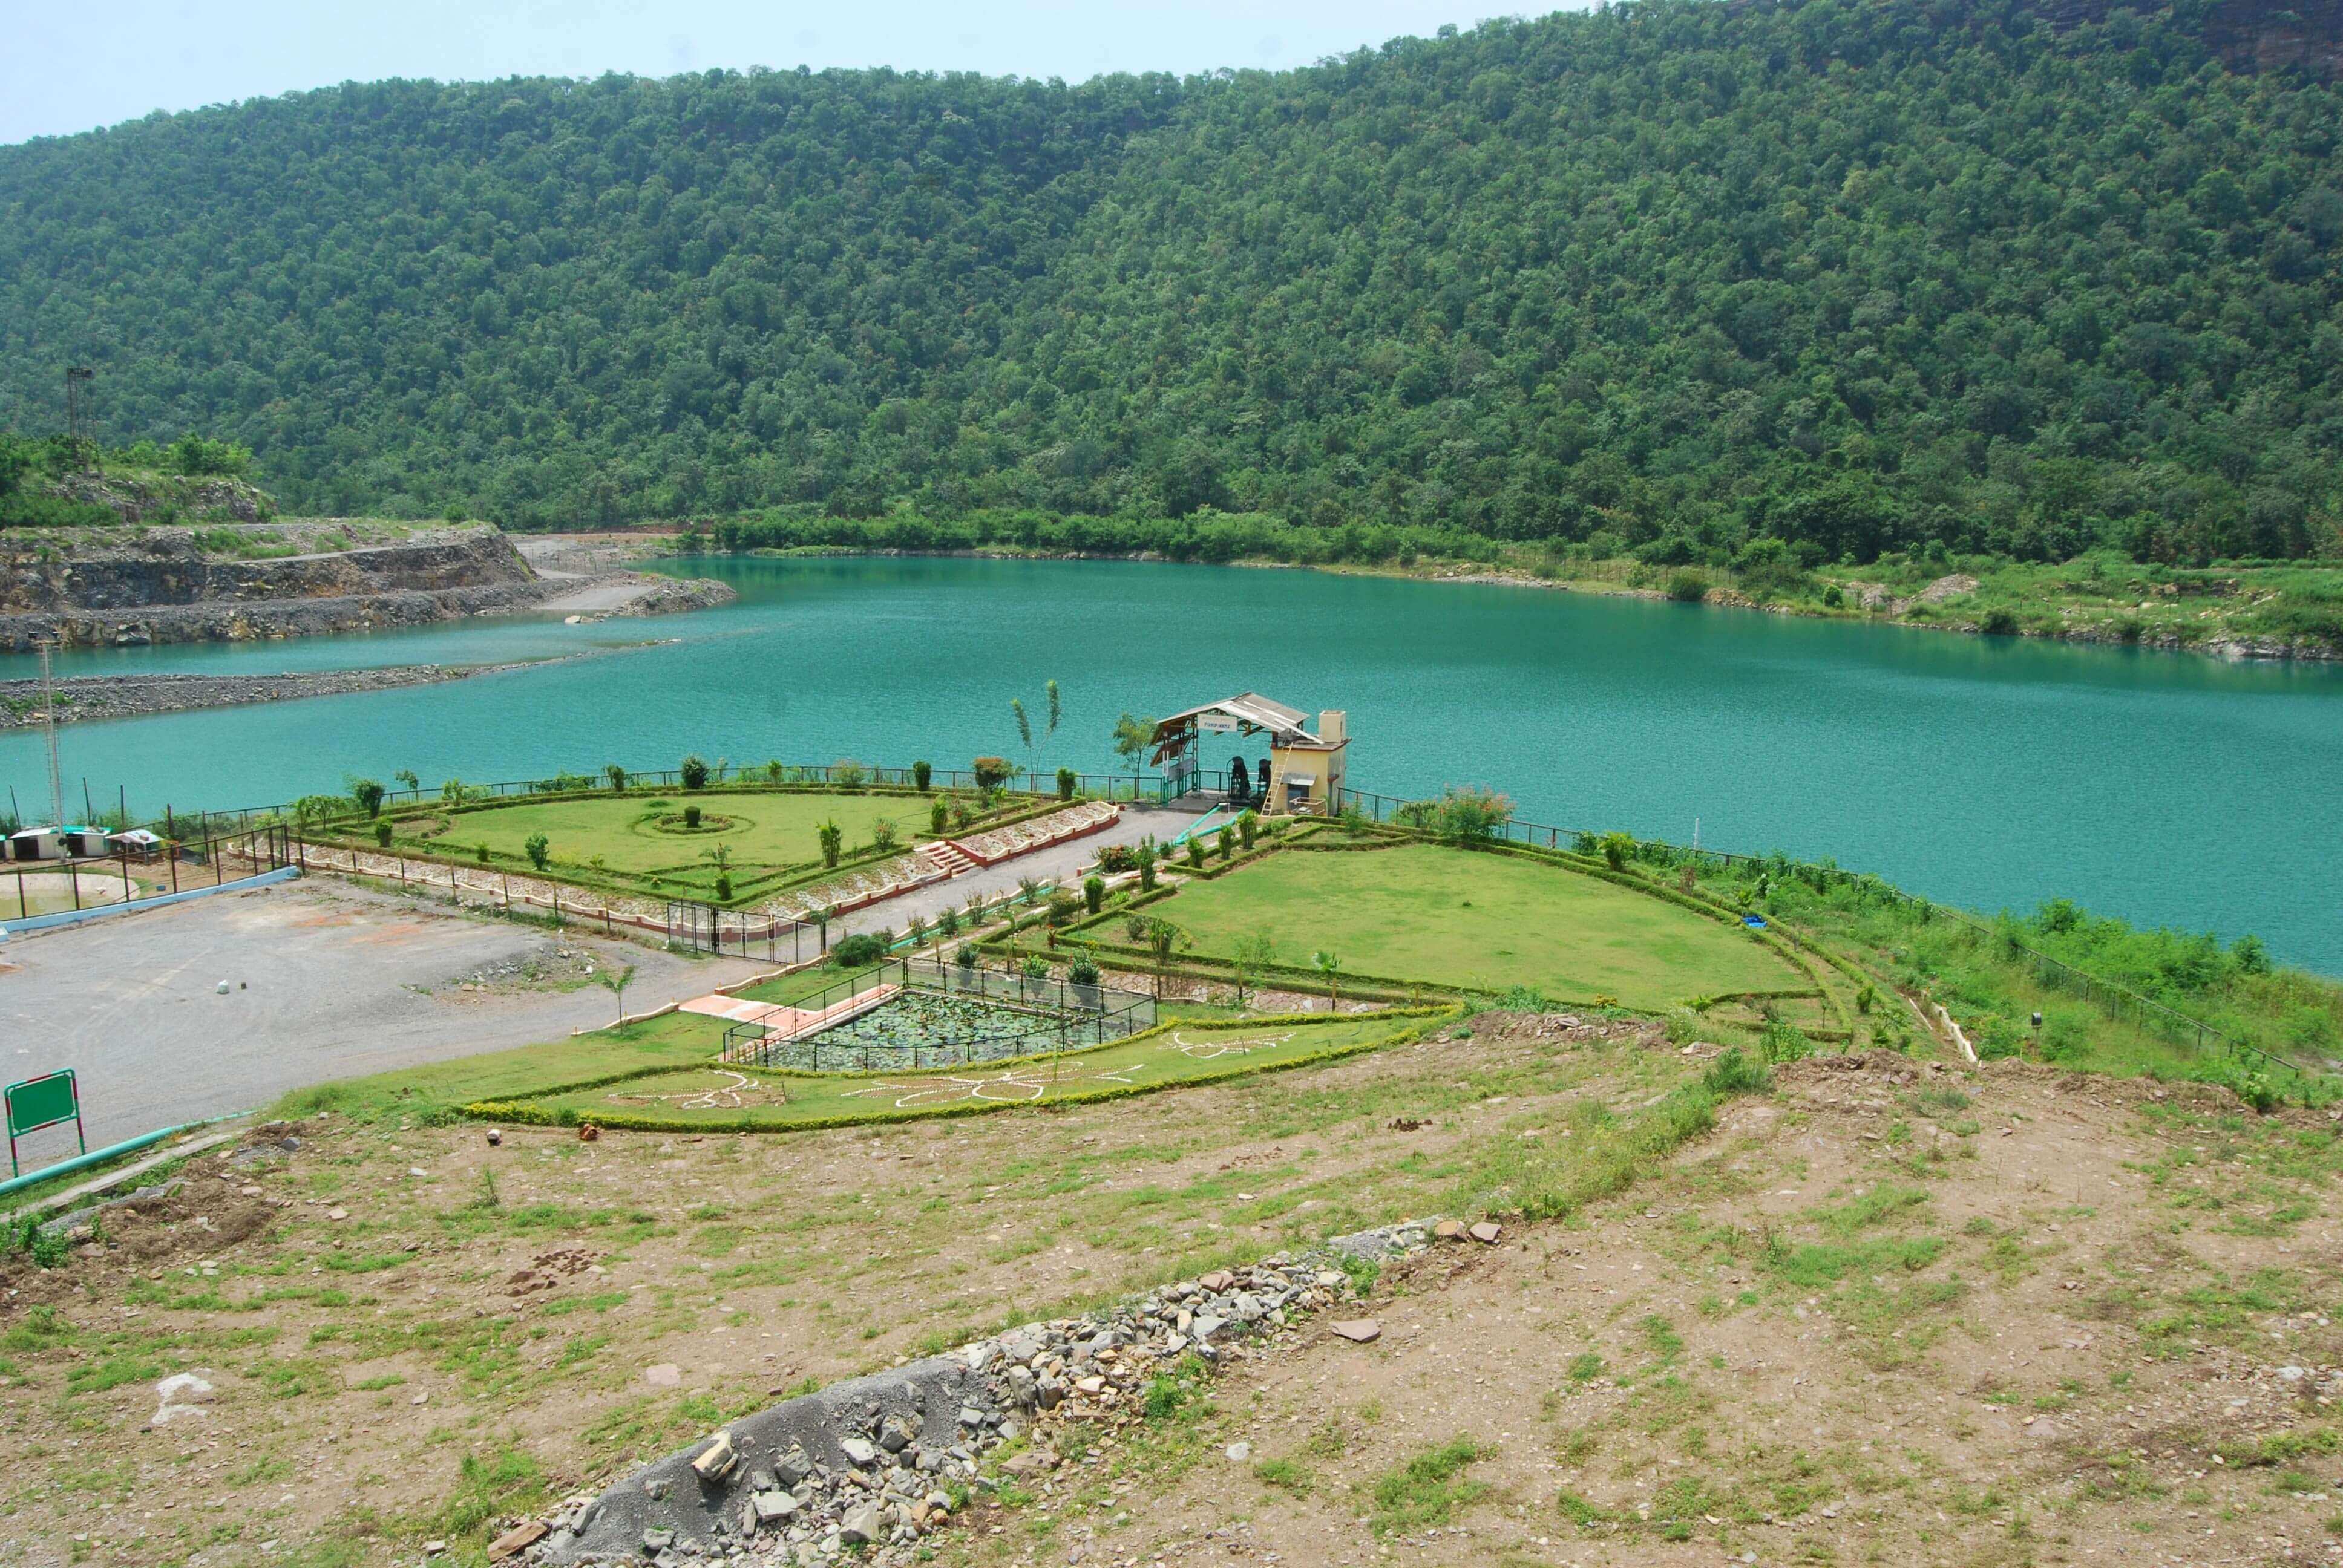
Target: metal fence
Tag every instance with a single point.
(717, 930)
(912, 1013)
(1040, 782)
(172, 866)
(2119, 1001)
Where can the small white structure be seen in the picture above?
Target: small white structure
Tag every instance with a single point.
(36, 844)
(139, 844)
(87, 842)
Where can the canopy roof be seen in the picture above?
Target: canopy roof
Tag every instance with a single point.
(1248, 712)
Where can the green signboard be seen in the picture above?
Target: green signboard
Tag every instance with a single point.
(42, 1102)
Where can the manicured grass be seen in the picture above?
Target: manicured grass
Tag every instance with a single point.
(679, 1038)
(1176, 1053)
(768, 829)
(1453, 917)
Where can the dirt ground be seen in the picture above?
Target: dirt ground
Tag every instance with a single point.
(1891, 1312)
(2070, 1321)
(326, 980)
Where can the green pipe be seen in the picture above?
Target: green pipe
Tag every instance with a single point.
(111, 1151)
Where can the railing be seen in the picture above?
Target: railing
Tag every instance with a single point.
(1038, 782)
(1049, 1016)
(2176, 1025)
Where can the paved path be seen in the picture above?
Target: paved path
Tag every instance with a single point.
(328, 980)
(1060, 861)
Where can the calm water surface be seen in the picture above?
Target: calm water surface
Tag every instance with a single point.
(1985, 772)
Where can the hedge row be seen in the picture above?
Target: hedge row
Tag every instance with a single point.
(526, 1115)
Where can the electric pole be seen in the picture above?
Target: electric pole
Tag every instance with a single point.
(80, 415)
(49, 733)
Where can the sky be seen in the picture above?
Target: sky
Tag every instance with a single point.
(65, 69)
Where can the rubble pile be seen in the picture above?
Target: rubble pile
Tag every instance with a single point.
(874, 1464)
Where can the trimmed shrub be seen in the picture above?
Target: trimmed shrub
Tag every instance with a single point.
(693, 770)
(862, 948)
(920, 773)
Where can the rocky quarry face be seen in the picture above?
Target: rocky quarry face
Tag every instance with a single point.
(868, 1466)
(132, 588)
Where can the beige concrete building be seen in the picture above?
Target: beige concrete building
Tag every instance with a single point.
(1305, 768)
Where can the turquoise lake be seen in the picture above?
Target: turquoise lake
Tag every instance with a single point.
(1990, 772)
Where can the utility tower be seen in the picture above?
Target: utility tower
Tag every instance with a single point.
(81, 414)
(49, 733)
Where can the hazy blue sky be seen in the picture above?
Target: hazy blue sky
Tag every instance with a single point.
(66, 67)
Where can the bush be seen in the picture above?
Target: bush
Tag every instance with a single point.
(1687, 587)
(693, 771)
(723, 887)
(1734, 1073)
(1832, 599)
(539, 849)
(862, 948)
(1118, 858)
(692, 816)
(1064, 908)
(1999, 623)
(966, 957)
(1093, 893)
(1248, 824)
(617, 776)
(939, 816)
(920, 773)
(1065, 783)
(1467, 815)
(1195, 851)
(1615, 847)
(1083, 971)
(992, 772)
(368, 795)
(1783, 1042)
(1227, 841)
(848, 774)
(382, 834)
(484, 854)
(882, 833)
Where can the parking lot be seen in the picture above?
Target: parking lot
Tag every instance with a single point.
(325, 981)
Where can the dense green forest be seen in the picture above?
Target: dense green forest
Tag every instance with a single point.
(1675, 280)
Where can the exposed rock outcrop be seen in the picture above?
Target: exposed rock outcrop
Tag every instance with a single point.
(130, 588)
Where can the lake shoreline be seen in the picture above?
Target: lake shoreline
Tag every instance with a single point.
(2235, 650)
(90, 698)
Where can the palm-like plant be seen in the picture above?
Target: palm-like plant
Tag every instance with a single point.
(614, 981)
(1330, 967)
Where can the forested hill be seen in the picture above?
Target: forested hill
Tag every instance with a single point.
(1668, 277)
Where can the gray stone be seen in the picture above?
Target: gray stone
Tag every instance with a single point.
(858, 1453)
(773, 1507)
(863, 1526)
(1204, 1327)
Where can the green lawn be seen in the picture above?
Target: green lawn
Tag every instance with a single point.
(766, 830)
(1180, 1051)
(680, 1037)
(1453, 917)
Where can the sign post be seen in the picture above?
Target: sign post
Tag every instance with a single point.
(44, 1101)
